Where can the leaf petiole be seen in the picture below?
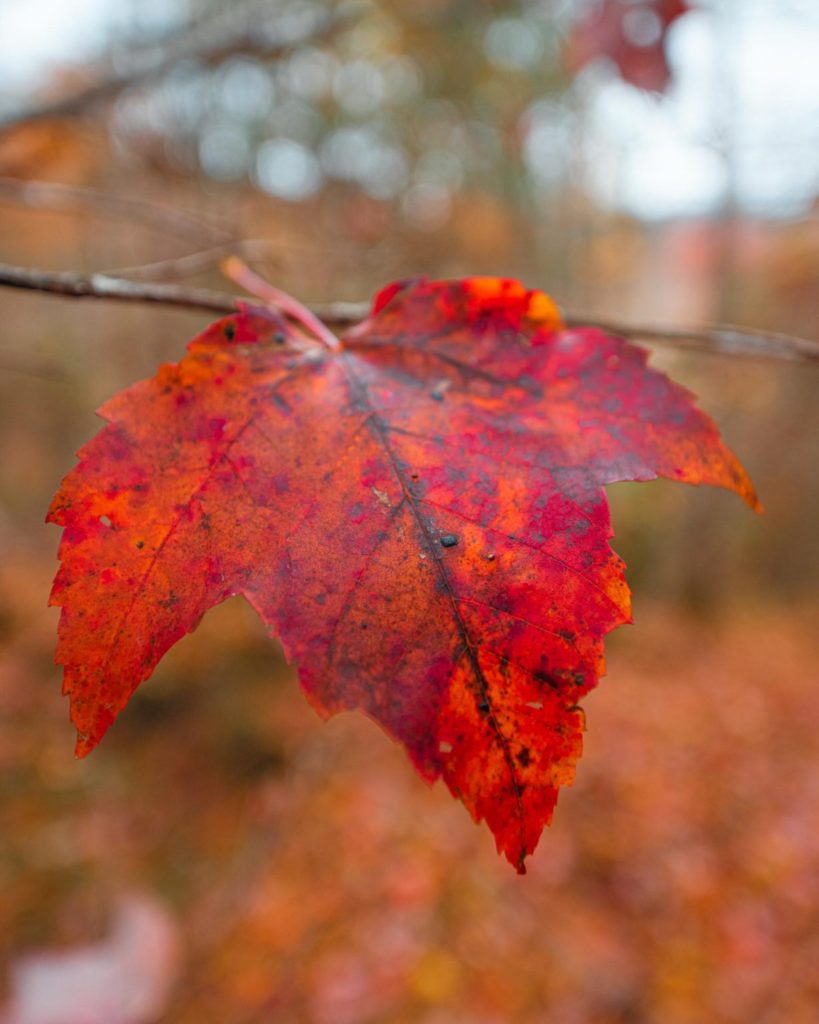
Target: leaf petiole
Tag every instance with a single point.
(239, 272)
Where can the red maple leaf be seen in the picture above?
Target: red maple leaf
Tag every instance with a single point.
(419, 516)
(632, 34)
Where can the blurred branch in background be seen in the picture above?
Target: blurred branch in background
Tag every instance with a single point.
(726, 339)
(721, 339)
(52, 195)
(208, 41)
(257, 249)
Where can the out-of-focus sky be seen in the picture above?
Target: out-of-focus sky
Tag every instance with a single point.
(746, 76)
(746, 84)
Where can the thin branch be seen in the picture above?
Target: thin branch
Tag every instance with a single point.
(717, 339)
(16, 362)
(52, 195)
(204, 259)
(341, 314)
(724, 339)
(210, 43)
(215, 237)
(100, 286)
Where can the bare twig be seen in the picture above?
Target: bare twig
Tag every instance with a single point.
(717, 339)
(210, 42)
(52, 195)
(341, 314)
(204, 259)
(724, 339)
(17, 363)
(100, 286)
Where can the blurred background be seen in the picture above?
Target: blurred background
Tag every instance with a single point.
(227, 857)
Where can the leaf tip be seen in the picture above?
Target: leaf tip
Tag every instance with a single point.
(741, 484)
(753, 502)
(83, 746)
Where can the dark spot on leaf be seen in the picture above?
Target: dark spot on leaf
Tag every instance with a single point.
(279, 401)
(279, 337)
(483, 707)
(524, 757)
(449, 540)
(140, 544)
(548, 680)
(230, 330)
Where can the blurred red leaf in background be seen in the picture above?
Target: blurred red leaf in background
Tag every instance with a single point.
(632, 34)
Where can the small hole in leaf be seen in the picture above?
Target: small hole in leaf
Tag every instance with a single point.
(449, 540)
(105, 520)
(444, 747)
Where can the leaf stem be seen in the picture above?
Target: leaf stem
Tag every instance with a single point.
(240, 273)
